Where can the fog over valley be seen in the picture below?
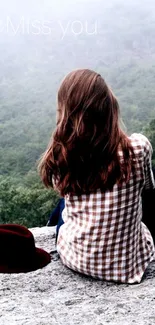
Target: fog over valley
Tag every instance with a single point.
(40, 42)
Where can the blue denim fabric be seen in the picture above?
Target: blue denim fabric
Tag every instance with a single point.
(56, 216)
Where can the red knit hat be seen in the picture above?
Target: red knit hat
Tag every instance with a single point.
(18, 252)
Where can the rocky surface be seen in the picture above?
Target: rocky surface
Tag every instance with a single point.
(56, 295)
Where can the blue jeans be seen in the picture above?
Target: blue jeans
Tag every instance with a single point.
(56, 216)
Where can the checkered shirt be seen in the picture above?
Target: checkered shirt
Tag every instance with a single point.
(103, 235)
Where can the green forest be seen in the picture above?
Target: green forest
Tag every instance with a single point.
(116, 39)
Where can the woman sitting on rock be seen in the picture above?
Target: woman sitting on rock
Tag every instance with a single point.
(101, 172)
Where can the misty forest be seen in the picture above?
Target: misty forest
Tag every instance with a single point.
(40, 42)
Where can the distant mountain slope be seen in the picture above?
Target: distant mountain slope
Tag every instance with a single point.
(43, 41)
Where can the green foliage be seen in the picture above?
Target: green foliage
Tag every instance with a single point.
(31, 67)
(29, 206)
(149, 131)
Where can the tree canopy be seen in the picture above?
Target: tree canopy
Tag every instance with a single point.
(38, 47)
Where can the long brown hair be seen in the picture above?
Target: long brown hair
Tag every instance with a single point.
(82, 155)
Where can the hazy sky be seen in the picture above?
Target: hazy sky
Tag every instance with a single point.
(59, 7)
(83, 28)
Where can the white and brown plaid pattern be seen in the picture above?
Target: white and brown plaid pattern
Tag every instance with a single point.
(103, 235)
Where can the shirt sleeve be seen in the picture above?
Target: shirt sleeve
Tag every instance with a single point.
(149, 178)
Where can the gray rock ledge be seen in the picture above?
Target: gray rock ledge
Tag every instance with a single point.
(56, 295)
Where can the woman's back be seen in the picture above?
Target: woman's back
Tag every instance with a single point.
(101, 173)
(103, 235)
